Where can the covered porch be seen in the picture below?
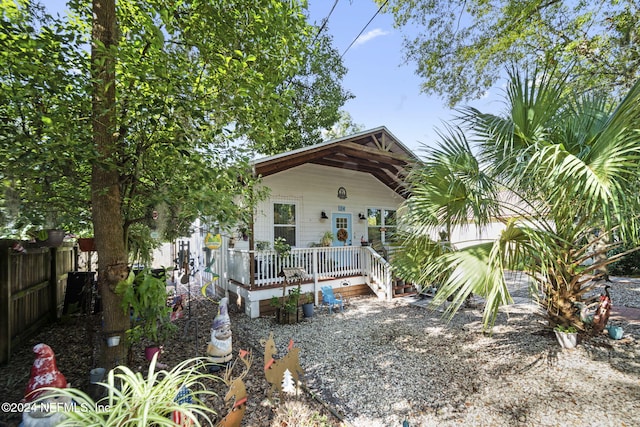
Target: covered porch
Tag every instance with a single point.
(254, 276)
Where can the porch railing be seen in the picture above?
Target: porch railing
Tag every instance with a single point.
(319, 263)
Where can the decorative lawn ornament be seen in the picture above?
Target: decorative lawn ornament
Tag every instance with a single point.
(274, 370)
(177, 308)
(288, 385)
(237, 392)
(44, 373)
(184, 396)
(219, 349)
(601, 317)
(213, 241)
(206, 290)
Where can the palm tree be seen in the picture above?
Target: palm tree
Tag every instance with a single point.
(556, 170)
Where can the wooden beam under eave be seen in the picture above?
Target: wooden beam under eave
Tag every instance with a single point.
(377, 161)
(277, 165)
(365, 164)
(392, 157)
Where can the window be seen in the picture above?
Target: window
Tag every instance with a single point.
(284, 222)
(381, 223)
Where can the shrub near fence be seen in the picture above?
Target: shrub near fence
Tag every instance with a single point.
(32, 288)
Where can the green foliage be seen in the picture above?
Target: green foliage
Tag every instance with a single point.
(291, 302)
(417, 253)
(553, 169)
(262, 245)
(44, 110)
(327, 239)
(189, 86)
(566, 329)
(144, 298)
(629, 265)
(131, 399)
(282, 248)
(308, 298)
(288, 303)
(343, 127)
(468, 43)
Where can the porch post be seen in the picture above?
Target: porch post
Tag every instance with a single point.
(315, 275)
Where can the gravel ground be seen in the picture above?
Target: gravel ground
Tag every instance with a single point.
(380, 363)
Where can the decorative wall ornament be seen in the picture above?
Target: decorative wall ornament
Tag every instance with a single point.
(342, 193)
(343, 235)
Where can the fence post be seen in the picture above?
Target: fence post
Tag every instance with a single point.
(53, 285)
(5, 304)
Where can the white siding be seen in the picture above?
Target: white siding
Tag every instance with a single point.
(314, 188)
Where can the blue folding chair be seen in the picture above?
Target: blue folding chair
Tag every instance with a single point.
(329, 299)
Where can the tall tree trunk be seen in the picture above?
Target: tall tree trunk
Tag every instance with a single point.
(105, 191)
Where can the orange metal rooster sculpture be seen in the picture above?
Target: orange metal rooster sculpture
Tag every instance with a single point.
(601, 316)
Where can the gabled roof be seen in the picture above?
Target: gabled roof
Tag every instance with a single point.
(375, 151)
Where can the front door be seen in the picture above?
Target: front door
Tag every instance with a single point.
(341, 229)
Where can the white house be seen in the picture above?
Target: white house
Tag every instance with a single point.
(351, 187)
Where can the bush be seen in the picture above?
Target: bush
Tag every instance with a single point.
(629, 265)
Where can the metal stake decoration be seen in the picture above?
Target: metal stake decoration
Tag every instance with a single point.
(274, 369)
(237, 392)
(185, 261)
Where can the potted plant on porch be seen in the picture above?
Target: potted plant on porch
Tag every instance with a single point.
(47, 237)
(327, 239)
(144, 298)
(307, 305)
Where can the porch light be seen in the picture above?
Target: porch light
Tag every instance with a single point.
(361, 216)
(323, 215)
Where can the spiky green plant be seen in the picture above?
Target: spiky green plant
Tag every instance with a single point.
(134, 400)
(553, 169)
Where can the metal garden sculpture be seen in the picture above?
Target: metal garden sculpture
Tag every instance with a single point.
(274, 369)
(237, 392)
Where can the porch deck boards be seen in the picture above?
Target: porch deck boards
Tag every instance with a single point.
(345, 292)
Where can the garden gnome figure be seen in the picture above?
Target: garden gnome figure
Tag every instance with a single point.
(219, 349)
(44, 373)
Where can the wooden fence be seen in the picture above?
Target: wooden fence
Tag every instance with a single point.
(32, 291)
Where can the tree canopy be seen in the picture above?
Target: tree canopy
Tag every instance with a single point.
(201, 86)
(461, 47)
(143, 115)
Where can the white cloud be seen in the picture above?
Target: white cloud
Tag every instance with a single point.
(370, 36)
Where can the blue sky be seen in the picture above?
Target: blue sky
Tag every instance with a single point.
(387, 92)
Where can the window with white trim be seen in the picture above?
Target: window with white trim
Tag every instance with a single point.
(381, 224)
(284, 222)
